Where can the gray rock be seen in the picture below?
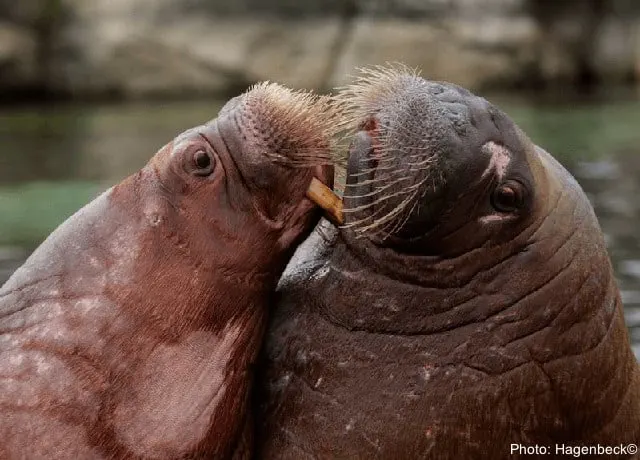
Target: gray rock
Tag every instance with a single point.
(140, 54)
(17, 56)
(160, 47)
(466, 52)
(632, 317)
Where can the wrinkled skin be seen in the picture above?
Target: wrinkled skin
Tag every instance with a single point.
(475, 324)
(131, 331)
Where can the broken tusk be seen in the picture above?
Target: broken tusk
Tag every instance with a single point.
(324, 197)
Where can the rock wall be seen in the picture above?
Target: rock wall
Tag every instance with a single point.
(142, 48)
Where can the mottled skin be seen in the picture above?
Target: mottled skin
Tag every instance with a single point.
(131, 331)
(478, 323)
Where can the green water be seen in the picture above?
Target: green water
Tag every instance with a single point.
(54, 160)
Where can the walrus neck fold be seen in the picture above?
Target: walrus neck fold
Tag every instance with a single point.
(354, 281)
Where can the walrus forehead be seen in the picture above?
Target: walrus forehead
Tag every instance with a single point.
(499, 159)
(187, 137)
(398, 97)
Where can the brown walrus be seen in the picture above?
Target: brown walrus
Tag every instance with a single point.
(466, 310)
(132, 330)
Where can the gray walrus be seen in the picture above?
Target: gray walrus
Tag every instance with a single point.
(131, 332)
(466, 310)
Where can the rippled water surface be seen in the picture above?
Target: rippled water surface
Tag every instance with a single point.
(53, 160)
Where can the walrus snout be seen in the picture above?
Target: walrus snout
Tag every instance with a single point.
(425, 141)
(281, 139)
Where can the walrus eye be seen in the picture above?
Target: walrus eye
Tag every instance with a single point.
(203, 163)
(507, 197)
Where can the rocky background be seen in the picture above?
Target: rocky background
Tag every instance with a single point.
(146, 48)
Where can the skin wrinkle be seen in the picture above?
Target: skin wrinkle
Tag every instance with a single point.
(23, 326)
(167, 192)
(594, 347)
(240, 177)
(471, 300)
(586, 317)
(542, 285)
(554, 390)
(245, 184)
(362, 256)
(20, 289)
(547, 325)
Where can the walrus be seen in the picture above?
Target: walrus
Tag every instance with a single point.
(131, 332)
(466, 309)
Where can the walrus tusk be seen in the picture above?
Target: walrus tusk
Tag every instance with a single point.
(324, 197)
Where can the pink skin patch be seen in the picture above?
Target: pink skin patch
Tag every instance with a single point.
(493, 218)
(498, 163)
(500, 158)
(182, 387)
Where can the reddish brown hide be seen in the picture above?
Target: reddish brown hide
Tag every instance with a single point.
(131, 331)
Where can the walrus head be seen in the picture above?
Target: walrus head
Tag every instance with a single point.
(223, 206)
(426, 157)
(253, 164)
(444, 191)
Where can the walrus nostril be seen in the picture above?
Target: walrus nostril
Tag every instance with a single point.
(370, 124)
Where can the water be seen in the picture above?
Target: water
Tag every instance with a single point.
(54, 160)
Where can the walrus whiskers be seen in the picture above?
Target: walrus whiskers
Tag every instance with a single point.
(354, 105)
(378, 223)
(298, 128)
(359, 103)
(294, 112)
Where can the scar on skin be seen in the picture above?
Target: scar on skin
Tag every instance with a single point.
(500, 159)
